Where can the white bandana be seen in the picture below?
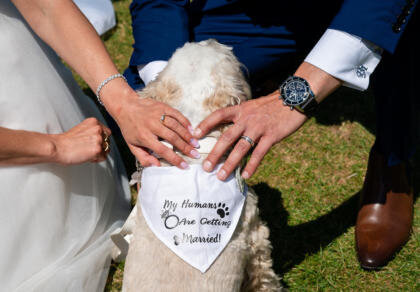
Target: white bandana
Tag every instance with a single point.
(191, 211)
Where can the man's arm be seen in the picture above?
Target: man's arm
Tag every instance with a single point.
(159, 28)
(380, 22)
(346, 57)
(267, 122)
(351, 48)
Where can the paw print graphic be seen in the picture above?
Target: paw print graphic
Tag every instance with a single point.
(222, 210)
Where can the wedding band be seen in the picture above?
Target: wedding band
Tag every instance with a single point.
(106, 148)
(162, 118)
(105, 145)
(249, 140)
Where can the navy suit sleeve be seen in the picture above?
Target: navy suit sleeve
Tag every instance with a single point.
(159, 28)
(379, 21)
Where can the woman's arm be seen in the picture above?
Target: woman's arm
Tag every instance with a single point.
(62, 26)
(24, 147)
(83, 143)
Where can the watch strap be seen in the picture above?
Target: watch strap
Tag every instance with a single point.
(309, 106)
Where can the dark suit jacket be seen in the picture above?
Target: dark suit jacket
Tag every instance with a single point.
(260, 31)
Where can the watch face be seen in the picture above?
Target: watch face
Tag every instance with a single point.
(295, 91)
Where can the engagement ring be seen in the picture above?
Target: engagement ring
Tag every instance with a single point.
(162, 118)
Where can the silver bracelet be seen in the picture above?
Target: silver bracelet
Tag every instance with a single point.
(105, 82)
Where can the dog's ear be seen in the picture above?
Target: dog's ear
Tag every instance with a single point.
(231, 87)
(227, 95)
(164, 90)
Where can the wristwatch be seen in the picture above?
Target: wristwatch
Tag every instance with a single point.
(296, 93)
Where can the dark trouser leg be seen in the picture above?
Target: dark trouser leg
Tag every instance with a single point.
(397, 103)
(385, 217)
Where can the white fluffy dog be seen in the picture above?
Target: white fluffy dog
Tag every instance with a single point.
(199, 79)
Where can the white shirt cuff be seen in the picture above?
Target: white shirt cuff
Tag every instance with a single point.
(151, 70)
(346, 57)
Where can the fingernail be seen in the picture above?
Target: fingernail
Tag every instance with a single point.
(245, 174)
(195, 153)
(221, 174)
(194, 143)
(191, 129)
(197, 132)
(207, 165)
(184, 165)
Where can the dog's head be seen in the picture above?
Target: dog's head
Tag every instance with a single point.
(199, 79)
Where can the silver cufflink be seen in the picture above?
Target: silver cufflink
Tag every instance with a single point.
(361, 71)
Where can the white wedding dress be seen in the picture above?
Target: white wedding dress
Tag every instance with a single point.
(55, 221)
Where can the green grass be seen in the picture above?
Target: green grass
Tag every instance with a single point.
(308, 188)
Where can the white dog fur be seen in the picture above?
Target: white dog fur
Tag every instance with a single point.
(199, 79)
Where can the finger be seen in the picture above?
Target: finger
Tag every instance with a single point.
(107, 150)
(106, 130)
(102, 158)
(143, 156)
(98, 154)
(225, 141)
(167, 154)
(91, 121)
(99, 158)
(97, 143)
(94, 130)
(179, 117)
(178, 143)
(175, 126)
(257, 155)
(239, 151)
(90, 125)
(102, 140)
(220, 116)
(106, 147)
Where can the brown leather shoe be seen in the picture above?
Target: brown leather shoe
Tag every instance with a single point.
(385, 216)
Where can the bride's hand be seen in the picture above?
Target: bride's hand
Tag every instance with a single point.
(139, 120)
(82, 143)
(141, 125)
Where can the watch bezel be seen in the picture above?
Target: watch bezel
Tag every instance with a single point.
(286, 99)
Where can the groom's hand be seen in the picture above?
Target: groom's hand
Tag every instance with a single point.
(265, 120)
